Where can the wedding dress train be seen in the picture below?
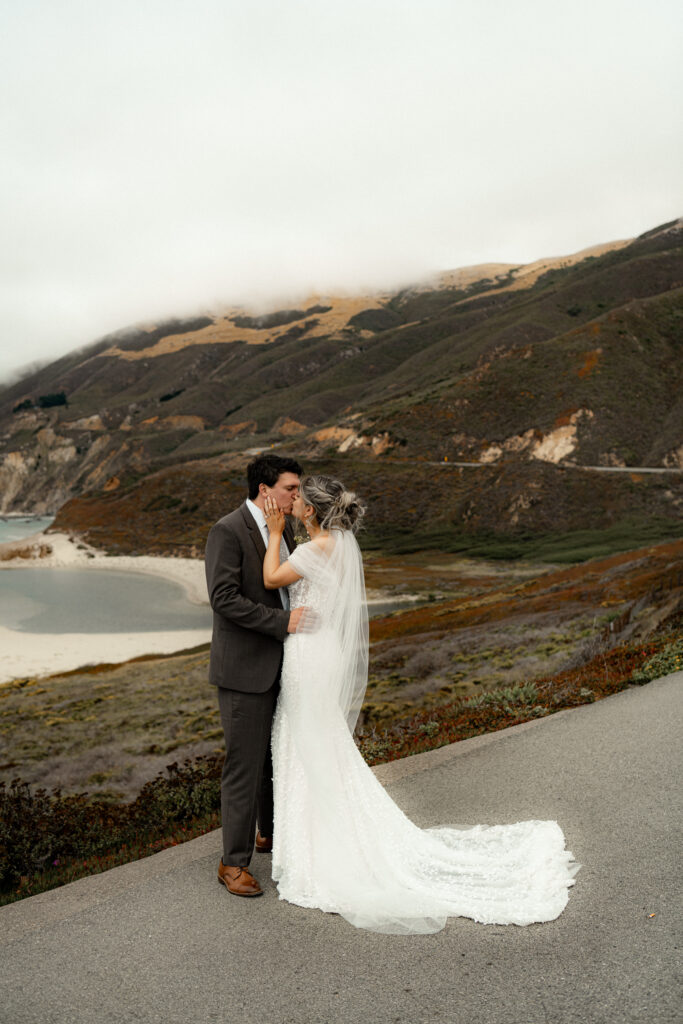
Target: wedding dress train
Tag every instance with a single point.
(341, 844)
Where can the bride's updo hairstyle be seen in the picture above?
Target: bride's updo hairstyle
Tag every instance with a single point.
(335, 508)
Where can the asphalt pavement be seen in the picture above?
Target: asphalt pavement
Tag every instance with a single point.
(160, 942)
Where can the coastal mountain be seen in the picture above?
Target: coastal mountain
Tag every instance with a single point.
(528, 374)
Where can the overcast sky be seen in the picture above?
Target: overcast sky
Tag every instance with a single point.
(162, 158)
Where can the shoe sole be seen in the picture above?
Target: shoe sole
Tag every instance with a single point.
(247, 894)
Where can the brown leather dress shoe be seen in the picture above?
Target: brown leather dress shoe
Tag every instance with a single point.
(238, 881)
(263, 844)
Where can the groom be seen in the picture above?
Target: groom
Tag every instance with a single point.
(250, 625)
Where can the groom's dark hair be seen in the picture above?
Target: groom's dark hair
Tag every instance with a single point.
(265, 469)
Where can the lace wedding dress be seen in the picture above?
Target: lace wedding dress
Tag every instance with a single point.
(340, 842)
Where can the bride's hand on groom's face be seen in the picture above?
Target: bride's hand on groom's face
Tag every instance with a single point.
(275, 519)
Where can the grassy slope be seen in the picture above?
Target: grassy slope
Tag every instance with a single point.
(110, 729)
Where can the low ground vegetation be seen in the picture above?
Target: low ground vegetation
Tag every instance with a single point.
(486, 646)
(48, 839)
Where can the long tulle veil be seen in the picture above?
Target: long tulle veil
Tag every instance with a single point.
(343, 615)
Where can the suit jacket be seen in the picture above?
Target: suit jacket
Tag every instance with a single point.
(249, 622)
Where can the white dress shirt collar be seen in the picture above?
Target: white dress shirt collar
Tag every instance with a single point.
(258, 516)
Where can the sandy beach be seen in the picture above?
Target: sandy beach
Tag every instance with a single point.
(35, 654)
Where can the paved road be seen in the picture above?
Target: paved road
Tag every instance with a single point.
(159, 942)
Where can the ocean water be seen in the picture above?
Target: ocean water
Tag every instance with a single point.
(18, 527)
(95, 601)
(99, 601)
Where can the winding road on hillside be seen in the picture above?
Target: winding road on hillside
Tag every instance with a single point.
(159, 941)
(573, 465)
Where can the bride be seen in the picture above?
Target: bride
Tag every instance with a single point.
(340, 842)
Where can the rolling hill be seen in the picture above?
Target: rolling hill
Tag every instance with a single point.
(529, 374)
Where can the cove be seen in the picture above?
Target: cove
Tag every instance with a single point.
(95, 601)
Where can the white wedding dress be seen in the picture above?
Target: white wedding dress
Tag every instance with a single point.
(340, 842)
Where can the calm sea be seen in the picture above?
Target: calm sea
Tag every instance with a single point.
(89, 600)
(95, 601)
(17, 527)
(99, 601)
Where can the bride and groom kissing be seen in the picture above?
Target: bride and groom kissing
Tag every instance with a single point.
(289, 657)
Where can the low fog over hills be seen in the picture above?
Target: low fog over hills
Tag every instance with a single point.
(532, 373)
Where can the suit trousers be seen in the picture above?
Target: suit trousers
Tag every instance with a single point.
(247, 779)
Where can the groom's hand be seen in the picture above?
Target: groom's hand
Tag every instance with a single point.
(294, 619)
(302, 620)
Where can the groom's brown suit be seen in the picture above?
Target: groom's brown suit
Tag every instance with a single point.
(249, 628)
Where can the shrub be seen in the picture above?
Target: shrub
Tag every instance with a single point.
(55, 398)
(41, 831)
(507, 697)
(38, 829)
(183, 793)
(663, 663)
